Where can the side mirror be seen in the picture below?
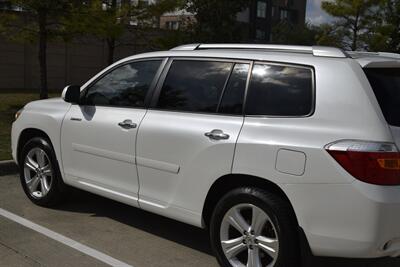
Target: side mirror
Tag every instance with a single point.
(71, 94)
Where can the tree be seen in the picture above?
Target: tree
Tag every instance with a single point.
(329, 35)
(287, 33)
(109, 20)
(307, 34)
(36, 21)
(384, 34)
(216, 19)
(354, 17)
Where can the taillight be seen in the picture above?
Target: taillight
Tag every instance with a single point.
(371, 162)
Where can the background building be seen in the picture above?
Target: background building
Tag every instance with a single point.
(263, 15)
(258, 20)
(176, 20)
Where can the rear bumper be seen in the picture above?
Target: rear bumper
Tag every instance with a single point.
(355, 220)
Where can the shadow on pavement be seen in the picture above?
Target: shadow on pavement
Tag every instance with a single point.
(190, 236)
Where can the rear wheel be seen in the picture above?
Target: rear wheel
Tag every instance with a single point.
(251, 227)
(39, 173)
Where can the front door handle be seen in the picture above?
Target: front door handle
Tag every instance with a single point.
(217, 135)
(127, 124)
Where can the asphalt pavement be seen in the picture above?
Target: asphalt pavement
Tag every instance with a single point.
(108, 229)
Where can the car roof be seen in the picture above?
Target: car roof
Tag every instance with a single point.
(279, 53)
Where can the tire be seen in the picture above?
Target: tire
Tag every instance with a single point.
(276, 228)
(37, 159)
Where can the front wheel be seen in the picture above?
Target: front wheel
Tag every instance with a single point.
(251, 227)
(39, 173)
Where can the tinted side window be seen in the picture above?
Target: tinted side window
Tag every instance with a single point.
(194, 85)
(280, 91)
(125, 86)
(232, 99)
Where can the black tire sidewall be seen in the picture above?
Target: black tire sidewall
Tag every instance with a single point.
(57, 186)
(277, 210)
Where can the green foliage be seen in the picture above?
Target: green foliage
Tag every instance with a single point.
(330, 35)
(287, 33)
(353, 19)
(170, 39)
(308, 34)
(102, 19)
(107, 20)
(38, 15)
(216, 19)
(384, 33)
(39, 20)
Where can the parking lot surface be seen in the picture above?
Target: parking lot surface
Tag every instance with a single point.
(127, 234)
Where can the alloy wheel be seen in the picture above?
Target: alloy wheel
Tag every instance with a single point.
(249, 237)
(38, 172)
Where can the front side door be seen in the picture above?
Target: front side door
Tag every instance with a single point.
(187, 139)
(99, 136)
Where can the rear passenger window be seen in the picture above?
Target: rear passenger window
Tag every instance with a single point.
(194, 86)
(232, 99)
(280, 91)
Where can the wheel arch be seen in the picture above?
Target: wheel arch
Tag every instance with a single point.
(229, 182)
(28, 134)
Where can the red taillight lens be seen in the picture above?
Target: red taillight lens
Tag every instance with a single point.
(374, 163)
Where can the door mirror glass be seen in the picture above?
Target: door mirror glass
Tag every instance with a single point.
(71, 94)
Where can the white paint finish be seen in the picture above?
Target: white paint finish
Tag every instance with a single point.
(104, 153)
(158, 165)
(178, 138)
(337, 116)
(350, 220)
(290, 162)
(117, 194)
(98, 149)
(64, 240)
(45, 115)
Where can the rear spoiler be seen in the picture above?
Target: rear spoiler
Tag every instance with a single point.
(376, 59)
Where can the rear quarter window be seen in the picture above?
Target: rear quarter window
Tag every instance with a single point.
(385, 83)
(277, 90)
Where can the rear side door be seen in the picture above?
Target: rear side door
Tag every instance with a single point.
(187, 138)
(99, 135)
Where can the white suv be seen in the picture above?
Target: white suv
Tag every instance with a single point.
(263, 145)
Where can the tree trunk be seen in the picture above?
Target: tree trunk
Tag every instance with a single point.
(355, 31)
(111, 49)
(354, 44)
(111, 41)
(43, 55)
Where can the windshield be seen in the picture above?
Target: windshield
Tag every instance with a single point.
(386, 85)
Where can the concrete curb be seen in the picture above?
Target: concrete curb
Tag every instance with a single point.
(8, 167)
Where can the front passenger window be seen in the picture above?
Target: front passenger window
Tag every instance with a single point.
(125, 86)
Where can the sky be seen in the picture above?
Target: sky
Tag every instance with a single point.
(315, 14)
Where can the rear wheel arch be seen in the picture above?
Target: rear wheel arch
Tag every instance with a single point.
(230, 182)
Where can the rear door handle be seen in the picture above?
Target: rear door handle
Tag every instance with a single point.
(127, 124)
(217, 135)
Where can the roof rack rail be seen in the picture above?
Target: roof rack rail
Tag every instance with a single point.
(319, 51)
(357, 54)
